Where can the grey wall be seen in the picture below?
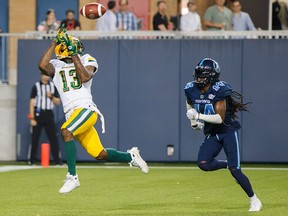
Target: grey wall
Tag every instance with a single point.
(149, 96)
(265, 83)
(8, 122)
(139, 89)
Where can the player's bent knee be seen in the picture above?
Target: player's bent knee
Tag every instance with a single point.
(102, 155)
(93, 152)
(66, 135)
(236, 173)
(234, 170)
(203, 165)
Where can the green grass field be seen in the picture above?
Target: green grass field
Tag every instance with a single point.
(117, 191)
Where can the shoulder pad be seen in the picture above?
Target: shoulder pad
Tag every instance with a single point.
(189, 85)
(88, 60)
(220, 85)
(222, 89)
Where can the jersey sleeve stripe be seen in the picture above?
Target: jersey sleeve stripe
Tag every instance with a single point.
(91, 60)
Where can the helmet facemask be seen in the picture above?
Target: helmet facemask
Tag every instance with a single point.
(202, 76)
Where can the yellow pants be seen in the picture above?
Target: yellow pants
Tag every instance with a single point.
(81, 124)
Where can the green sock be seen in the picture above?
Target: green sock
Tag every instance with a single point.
(118, 156)
(70, 150)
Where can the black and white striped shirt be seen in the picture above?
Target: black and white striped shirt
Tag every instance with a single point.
(39, 91)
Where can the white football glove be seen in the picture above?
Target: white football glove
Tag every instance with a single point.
(192, 114)
(198, 126)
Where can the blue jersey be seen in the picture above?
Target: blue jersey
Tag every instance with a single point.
(204, 103)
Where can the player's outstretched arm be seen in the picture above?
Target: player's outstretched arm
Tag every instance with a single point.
(44, 65)
(84, 73)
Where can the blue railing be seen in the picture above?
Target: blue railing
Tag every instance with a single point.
(3, 60)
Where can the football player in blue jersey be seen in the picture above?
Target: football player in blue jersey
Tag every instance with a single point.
(213, 104)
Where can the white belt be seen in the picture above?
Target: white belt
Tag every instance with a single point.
(94, 108)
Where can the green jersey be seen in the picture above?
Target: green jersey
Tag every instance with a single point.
(214, 15)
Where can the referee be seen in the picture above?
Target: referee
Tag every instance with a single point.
(43, 97)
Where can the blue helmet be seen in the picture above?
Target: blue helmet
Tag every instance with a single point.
(206, 72)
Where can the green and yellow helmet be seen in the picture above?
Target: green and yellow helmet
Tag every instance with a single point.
(61, 50)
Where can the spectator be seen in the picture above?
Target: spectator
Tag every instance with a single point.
(241, 21)
(191, 21)
(50, 24)
(175, 20)
(283, 15)
(70, 22)
(126, 20)
(218, 17)
(108, 21)
(43, 97)
(160, 20)
(276, 23)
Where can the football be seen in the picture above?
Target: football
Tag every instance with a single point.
(93, 10)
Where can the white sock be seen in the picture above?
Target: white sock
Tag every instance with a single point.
(253, 197)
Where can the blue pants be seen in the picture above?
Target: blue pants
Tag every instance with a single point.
(213, 144)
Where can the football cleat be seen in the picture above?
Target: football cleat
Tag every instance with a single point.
(255, 204)
(137, 160)
(71, 182)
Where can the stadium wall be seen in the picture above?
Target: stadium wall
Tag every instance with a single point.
(139, 89)
(8, 120)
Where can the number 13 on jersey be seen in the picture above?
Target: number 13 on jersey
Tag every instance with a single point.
(75, 84)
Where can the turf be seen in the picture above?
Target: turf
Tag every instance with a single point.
(117, 191)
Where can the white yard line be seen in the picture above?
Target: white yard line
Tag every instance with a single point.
(15, 168)
(174, 167)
